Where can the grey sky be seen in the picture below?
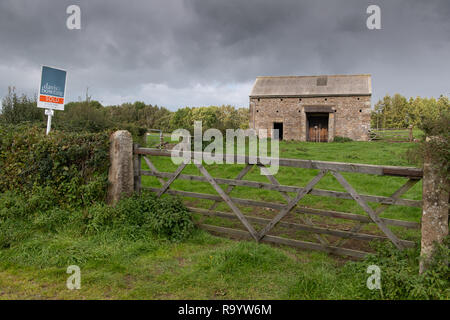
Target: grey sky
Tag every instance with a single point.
(203, 52)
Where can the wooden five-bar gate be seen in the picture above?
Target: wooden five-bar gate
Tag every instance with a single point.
(340, 237)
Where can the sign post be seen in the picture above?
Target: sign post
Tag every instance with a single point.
(52, 90)
(49, 113)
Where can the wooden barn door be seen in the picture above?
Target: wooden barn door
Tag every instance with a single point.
(318, 127)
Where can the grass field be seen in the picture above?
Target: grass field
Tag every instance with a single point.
(116, 266)
(205, 267)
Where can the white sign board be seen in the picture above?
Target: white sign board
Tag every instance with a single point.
(52, 89)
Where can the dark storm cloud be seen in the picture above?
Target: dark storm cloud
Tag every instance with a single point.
(201, 52)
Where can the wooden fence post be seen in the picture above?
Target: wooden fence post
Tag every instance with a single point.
(120, 176)
(435, 209)
(137, 161)
(411, 137)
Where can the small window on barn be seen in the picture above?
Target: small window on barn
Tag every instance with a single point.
(300, 99)
(357, 98)
(322, 81)
(281, 99)
(257, 110)
(259, 99)
(326, 99)
(277, 111)
(360, 110)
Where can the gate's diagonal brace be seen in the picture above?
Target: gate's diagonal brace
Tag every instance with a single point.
(394, 197)
(292, 204)
(273, 180)
(153, 169)
(230, 188)
(368, 209)
(286, 196)
(172, 179)
(227, 199)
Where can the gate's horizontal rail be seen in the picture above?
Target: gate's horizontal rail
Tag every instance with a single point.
(357, 217)
(284, 188)
(272, 205)
(285, 241)
(409, 172)
(301, 227)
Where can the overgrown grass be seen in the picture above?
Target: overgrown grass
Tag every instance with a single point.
(116, 266)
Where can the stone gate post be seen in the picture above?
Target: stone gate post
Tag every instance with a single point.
(121, 175)
(434, 211)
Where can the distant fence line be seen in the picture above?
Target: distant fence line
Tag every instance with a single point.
(392, 134)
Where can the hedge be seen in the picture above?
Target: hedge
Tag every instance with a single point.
(73, 165)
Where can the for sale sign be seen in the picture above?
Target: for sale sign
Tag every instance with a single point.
(52, 89)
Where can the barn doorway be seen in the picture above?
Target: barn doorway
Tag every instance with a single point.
(279, 126)
(317, 127)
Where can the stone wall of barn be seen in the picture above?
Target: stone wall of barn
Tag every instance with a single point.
(351, 117)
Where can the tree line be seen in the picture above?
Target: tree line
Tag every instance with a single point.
(90, 115)
(138, 117)
(399, 112)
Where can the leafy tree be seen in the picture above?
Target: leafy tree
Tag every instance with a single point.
(398, 112)
(17, 109)
(182, 118)
(89, 116)
(221, 118)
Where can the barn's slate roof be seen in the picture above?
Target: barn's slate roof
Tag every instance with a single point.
(312, 86)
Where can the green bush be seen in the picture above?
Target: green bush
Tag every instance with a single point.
(166, 217)
(83, 116)
(91, 116)
(400, 278)
(12, 205)
(18, 109)
(438, 147)
(70, 168)
(342, 139)
(169, 217)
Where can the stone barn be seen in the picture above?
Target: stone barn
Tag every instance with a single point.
(313, 108)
